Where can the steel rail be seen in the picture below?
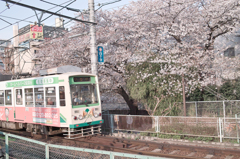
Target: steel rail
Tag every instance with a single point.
(125, 145)
(94, 145)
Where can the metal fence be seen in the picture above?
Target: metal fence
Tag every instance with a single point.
(175, 125)
(212, 108)
(13, 146)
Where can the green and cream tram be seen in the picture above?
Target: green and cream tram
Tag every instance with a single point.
(66, 103)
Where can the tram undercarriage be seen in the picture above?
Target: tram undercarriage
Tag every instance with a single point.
(82, 132)
(49, 130)
(33, 128)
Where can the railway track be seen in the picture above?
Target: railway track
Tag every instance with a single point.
(150, 148)
(139, 147)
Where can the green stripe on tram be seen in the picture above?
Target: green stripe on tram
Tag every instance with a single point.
(34, 82)
(84, 105)
(62, 119)
(86, 124)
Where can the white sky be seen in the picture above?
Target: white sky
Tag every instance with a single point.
(19, 12)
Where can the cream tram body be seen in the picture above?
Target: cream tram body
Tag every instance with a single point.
(68, 102)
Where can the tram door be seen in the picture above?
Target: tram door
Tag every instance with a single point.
(19, 108)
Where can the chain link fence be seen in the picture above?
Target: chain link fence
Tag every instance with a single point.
(212, 108)
(134, 123)
(2, 145)
(167, 124)
(176, 125)
(106, 126)
(189, 126)
(231, 128)
(18, 147)
(13, 146)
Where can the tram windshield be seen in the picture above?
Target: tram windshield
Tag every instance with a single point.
(83, 94)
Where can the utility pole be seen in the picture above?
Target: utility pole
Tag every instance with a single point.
(93, 38)
(184, 99)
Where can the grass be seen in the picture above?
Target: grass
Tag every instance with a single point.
(9, 138)
(194, 130)
(183, 137)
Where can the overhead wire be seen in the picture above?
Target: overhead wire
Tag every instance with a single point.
(52, 39)
(118, 6)
(108, 8)
(31, 16)
(100, 1)
(9, 7)
(28, 49)
(27, 29)
(59, 10)
(15, 18)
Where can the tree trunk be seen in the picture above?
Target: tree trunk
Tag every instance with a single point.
(132, 104)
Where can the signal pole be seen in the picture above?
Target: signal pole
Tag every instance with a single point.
(93, 38)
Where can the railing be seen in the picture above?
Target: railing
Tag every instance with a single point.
(212, 108)
(13, 146)
(175, 125)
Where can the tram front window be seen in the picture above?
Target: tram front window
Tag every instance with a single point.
(84, 94)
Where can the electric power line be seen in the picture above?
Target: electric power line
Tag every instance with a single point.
(15, 19)
(26, 50)
(49, 12)
(31, 16)
(9, 7)
(21, 33)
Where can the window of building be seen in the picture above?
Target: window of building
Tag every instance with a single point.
(29, 97)
(62, 96)
(1, 98)
(39, 97)
(19, 97)
(50, 98)
(8, 97)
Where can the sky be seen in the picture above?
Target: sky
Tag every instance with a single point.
(19, 12)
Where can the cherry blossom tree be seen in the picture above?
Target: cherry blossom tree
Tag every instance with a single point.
(180, 33)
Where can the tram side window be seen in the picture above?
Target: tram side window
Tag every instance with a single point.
(39, 97)
(8, 97)
(50, 96)
(28, 97)
(1, 98)
(62, 96)
(19, 100)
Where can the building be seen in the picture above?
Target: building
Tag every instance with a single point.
(26, 46)
(4, 44)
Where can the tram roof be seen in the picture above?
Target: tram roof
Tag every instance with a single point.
(63, 74)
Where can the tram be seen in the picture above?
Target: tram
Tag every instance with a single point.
(67, 103)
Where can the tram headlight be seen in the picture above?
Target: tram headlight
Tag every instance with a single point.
(80, 117)
(95, 115)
